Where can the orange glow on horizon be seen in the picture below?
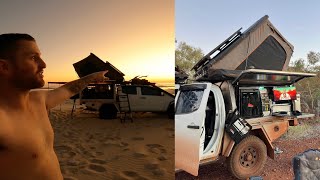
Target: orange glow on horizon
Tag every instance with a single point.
(137, 42)
(168, 79)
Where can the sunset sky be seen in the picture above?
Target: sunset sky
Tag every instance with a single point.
(136, 36)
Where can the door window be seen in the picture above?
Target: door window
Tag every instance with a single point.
(189, 101)
(98, 91)
(150, 91)
(129, 89)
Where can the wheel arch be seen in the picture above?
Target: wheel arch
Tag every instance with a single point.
(229, 144)
(264, 137)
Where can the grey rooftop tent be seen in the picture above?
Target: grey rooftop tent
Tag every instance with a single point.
(93, 64)
(261, 46)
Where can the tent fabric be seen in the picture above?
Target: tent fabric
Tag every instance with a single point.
(274, 54)
(269, 55)
(93, 64)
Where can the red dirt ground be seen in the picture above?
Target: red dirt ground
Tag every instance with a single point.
(278, 169)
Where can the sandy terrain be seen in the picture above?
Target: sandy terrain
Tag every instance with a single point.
(95, 149)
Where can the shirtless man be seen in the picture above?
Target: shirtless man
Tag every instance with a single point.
(26, 135)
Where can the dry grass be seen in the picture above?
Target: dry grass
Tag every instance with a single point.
(306, 129)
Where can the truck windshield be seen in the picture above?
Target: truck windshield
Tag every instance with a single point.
(189, 101)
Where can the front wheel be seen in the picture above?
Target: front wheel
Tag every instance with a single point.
(248, 158)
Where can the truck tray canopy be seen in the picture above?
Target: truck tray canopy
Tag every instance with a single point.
(255, 77)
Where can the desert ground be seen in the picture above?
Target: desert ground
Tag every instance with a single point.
(297, 140)
(89, 148)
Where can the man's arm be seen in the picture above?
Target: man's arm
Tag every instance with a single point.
(59, 95)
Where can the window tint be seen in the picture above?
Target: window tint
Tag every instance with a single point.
(150, 91)
(129, 89)
(100, 91)
(189, 101)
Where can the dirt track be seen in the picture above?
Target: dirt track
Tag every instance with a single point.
(278, 169)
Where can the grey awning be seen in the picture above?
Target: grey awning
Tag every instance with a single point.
(261, 77)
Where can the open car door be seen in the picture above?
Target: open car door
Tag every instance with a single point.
(189, 119)
(260, 77)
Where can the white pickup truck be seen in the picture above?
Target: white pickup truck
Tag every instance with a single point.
(226, 115)
(142, 98)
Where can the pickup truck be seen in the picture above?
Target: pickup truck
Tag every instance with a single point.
(234, 114)
(104, 97)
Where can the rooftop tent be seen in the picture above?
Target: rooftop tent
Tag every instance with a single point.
(93, 64)
(261, 46)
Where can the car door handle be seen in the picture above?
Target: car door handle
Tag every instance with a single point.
(193, 127)
(142, 97)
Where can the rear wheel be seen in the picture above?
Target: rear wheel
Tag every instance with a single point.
(108, 111)
(248, 158)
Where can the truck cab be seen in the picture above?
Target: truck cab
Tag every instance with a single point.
(147, 98)
(200, 120)
(228, 114)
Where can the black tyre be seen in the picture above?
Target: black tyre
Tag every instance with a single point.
(108, 111)
(248, 158)
(170, 111)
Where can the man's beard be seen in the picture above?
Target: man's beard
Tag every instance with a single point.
(29, 83)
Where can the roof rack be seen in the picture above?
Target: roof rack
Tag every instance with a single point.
(220, 48)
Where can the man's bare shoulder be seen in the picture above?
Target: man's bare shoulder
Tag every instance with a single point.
(38, 95)
(47, 97)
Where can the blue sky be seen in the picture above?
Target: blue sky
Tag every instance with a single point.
(205, 24)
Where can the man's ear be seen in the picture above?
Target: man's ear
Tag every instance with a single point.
(4, 67)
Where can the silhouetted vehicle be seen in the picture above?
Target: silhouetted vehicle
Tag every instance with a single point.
(141, 98)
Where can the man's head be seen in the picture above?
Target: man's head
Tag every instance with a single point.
(20, 61)
(9, 44)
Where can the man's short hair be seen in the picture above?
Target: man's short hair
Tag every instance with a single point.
(8, 43)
